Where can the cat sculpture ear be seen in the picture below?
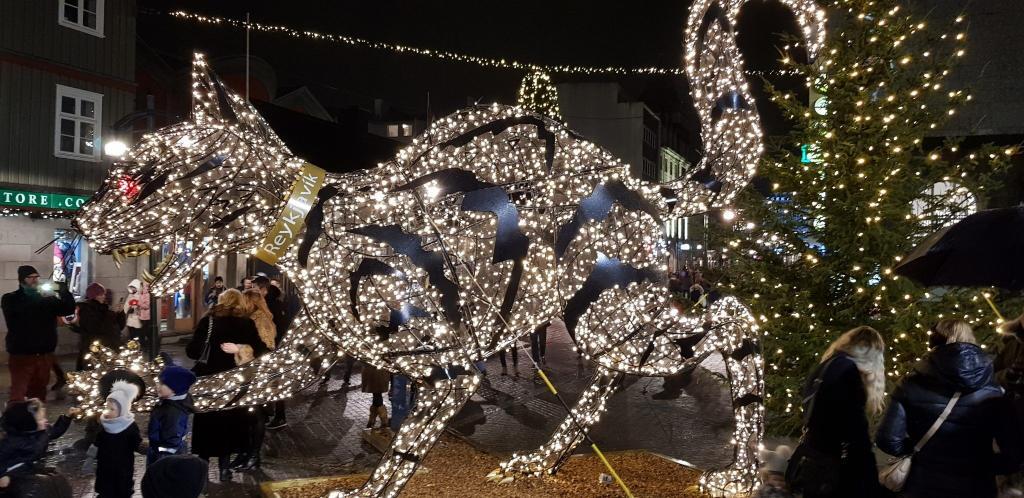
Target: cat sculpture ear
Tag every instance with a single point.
(730, 128)
(214, 104)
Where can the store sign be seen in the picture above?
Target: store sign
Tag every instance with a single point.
(41, 200)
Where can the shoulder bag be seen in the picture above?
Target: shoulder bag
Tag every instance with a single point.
(205, 356)
(812, 471)
(894, 474)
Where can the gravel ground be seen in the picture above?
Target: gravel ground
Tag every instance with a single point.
(455, 469)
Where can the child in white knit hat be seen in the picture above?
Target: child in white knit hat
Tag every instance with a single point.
(773, 473)
(117, 444)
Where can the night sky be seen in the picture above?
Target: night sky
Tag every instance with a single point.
(638, 33)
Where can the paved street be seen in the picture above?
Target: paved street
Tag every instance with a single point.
(691, 421)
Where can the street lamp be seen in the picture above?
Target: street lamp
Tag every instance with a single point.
(115, 148)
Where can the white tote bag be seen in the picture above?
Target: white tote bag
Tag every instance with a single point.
(894, 475)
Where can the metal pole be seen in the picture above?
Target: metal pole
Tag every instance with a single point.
(246, 56)
(154, 258)
(154, 311)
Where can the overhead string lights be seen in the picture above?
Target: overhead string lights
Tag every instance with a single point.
(496, 219)
(445, 55)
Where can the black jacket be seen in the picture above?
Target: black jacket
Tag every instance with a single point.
(958, 460)
(115, 462)
(19, 450)
(97, 322)
(239, 330)
(168, 424)
(838, 425)
(279, 312)
(32, 319)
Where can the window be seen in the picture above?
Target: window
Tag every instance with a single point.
(650, 138)
(82, 15)
(650, 170)
(79, 117)
(393, 130)
(406, 130)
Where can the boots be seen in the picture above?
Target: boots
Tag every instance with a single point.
(373, 416)
(383, 413)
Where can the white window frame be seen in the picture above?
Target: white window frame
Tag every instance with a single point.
(96, 121)
(80, 26)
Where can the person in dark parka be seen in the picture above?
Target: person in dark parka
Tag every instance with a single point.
(958, 461)
(852, 383)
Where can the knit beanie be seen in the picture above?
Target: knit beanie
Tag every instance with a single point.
(123, 393)
(19, 417)
(175, 476)
(179, 379)
(24, 271)
(95, 290)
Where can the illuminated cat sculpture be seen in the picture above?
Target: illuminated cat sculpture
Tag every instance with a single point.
(495, 219)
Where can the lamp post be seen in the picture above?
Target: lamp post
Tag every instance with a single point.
(116, 148)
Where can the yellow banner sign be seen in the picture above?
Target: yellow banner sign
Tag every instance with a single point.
(293, 216)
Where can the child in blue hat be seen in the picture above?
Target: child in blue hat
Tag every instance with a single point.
(168, 422)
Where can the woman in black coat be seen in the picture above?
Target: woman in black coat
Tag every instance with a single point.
(97, 322)
(958, 460)
(849, 382)
(233, 333)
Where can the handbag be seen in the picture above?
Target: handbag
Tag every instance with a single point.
(810, 470)
(894, 474)
(205, 357)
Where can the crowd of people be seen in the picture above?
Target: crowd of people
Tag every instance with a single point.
(239, 325)
(950, 428)
(951, 425)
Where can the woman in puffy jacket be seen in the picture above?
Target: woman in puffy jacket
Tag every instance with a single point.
(959, 460)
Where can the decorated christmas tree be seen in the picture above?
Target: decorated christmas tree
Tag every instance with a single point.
(857, 182)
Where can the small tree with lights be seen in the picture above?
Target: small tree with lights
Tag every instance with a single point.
(854, 185)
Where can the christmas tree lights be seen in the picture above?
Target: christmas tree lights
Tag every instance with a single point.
(818, 257)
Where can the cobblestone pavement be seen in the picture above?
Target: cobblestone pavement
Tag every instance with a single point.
(691, 420)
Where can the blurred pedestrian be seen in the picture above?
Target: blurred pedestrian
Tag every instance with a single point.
(26, 437)
(176, 476)
(222, 340)
(835, 456)
(376, 381)
(947, 412)
(136, 312)
(97, 323)
(31, 314)
(214, 292)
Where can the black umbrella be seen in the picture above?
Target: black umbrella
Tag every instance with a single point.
(985, 249)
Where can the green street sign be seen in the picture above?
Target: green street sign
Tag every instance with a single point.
(41, 200)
